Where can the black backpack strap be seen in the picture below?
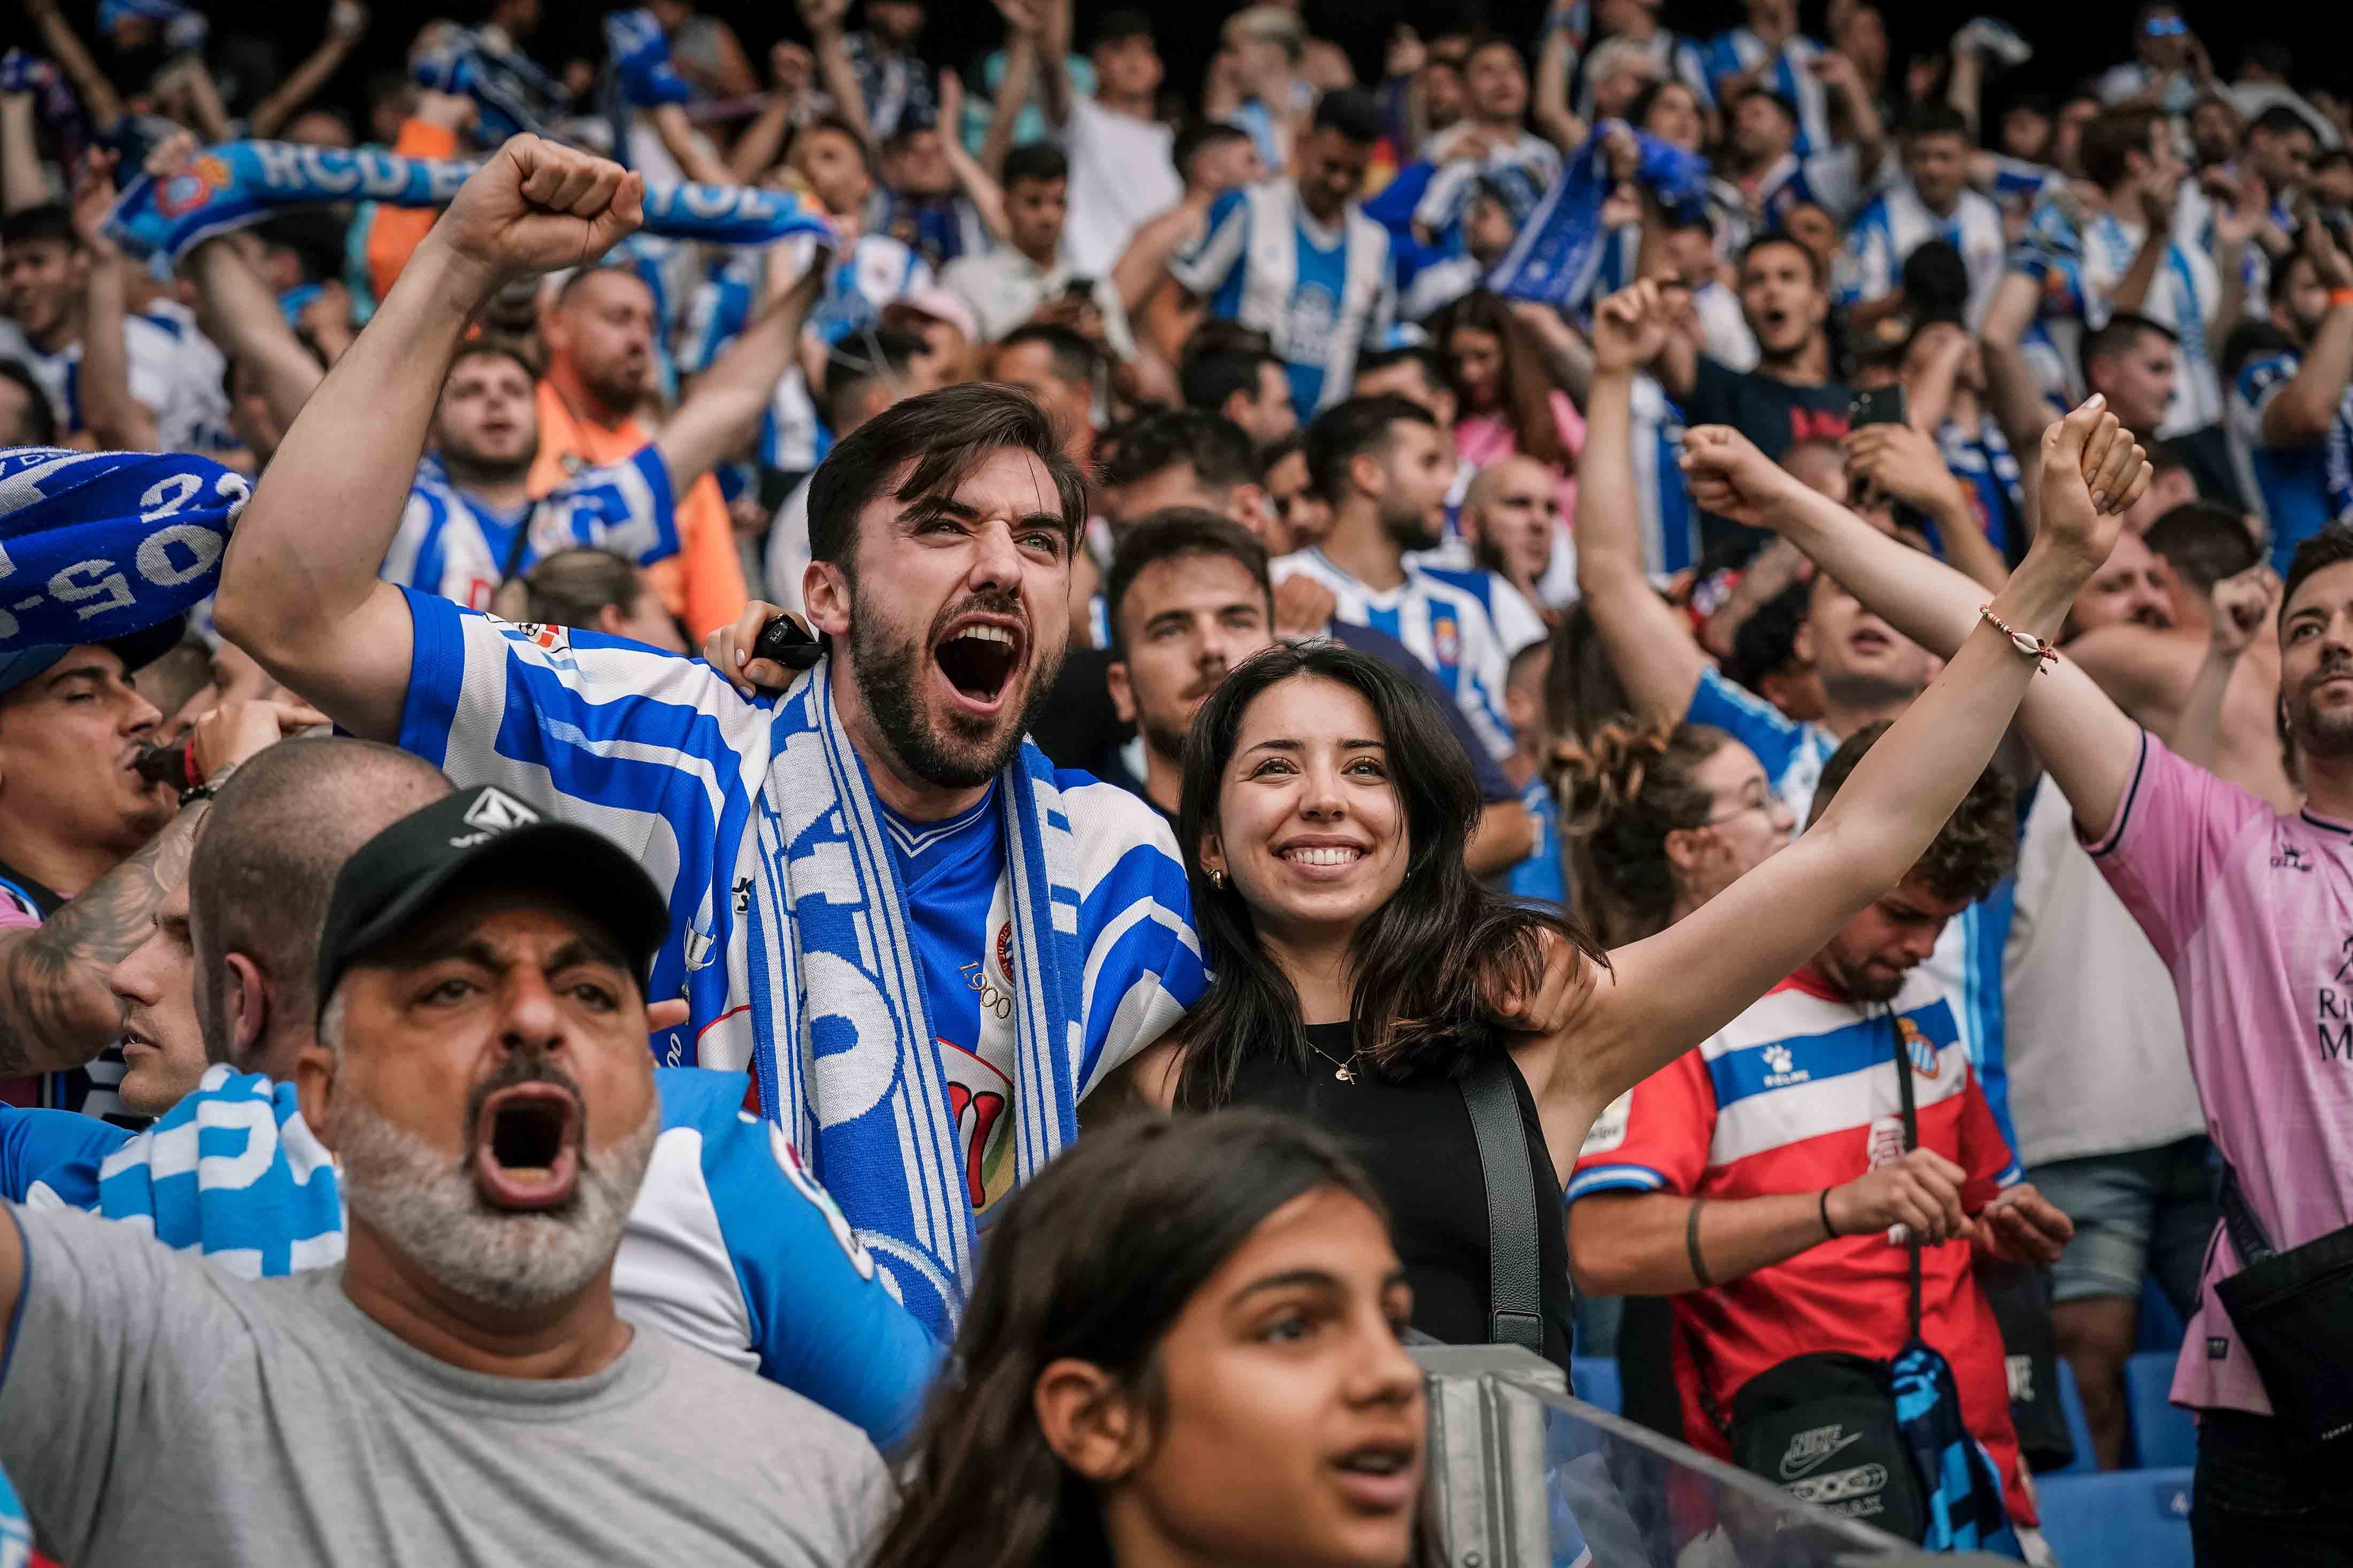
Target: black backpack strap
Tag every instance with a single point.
(2248, 1237)
(1911, 1142)
(1515, 1295)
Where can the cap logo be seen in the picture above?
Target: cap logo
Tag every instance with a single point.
(495, 811)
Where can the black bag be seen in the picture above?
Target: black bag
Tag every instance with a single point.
(1822, 1427)
(2022, 1307)
(2294, 1311)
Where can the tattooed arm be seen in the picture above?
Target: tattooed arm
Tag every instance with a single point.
(56, 1011)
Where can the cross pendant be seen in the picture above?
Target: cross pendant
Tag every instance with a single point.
(1344, 1076)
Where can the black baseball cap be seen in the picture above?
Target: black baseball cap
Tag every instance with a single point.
(483, 837)
(137, 651)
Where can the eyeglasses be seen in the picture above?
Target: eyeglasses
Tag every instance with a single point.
(1759, 799)
(2166, 27)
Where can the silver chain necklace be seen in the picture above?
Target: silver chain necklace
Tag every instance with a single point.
(1346, 1071)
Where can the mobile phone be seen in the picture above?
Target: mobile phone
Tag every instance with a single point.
(782, 641)
(1876, 405)
(1081, 289)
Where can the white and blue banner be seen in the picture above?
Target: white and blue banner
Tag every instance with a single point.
(242, 182)
(1559, 248)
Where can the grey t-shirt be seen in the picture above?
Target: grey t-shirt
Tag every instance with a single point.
(154, 1409)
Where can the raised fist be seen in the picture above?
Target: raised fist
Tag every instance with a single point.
(2091, 474)
(1630, 328)
(2242, 604)
(1729, 477)
(535, 206)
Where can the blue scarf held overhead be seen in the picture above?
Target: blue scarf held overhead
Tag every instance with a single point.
(839, 1011)
(511, 94)
(641, 52)
(98, 545)
(1558, 251)
(240, 182)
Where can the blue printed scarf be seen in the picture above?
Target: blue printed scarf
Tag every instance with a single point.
(1557, 254)
(242, 182)
(837, 1004)
(98, 545)
(1966, 1511)
(511, 94)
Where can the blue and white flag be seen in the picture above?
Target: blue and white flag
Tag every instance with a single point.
(1558, 250)
(242, 182)
(98, 545)
(511, 94)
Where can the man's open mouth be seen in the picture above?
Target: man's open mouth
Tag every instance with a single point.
(527, 1146)
(978, 656)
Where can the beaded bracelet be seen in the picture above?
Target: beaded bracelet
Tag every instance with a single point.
(2044, 653)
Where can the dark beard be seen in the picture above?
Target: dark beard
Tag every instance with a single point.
(889, 674)
(1412, 530)
(471, 469)
(2317, 734)
(1163, 741)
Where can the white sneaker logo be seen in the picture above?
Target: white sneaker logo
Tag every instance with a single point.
(1808, 1450)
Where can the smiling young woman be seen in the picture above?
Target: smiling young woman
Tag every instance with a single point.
(1323, 818)
(1182, 1347)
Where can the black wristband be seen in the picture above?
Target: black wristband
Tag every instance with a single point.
(1691, 1246)
(1830, 1231)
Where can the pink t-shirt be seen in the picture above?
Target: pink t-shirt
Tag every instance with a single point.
(1482, 438)
(2252, 911)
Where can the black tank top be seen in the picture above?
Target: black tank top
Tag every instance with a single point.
(1415, 1139)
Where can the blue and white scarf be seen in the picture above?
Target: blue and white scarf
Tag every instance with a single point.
(847, 1036)
(511, 94)
(242, 182)
(232, 1171)
(97, 545)
(1558, 251)
(1965, 1510)
(640, 53)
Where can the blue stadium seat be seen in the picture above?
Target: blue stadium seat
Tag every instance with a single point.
(1594, 1379)
(2160, 1327)
(2079, 1429)
(2163, 1434)
(2124, 1518)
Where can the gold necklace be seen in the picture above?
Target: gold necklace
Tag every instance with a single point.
(1346, 1072)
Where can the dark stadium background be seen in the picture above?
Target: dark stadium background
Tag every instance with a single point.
(2071, 40)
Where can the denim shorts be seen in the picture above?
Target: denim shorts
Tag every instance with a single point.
(2145, 1212)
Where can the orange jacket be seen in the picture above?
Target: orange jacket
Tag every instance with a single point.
(397, 231)
(702, 584)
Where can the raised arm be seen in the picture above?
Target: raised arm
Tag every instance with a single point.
(117, 420)
(298, 588)
(724, 408)
(64, 46)
(21, 182)
(978, 184)
(1902, 463)
(1053, 57)
(693, 153)
(346, 20)
(840, 78)
(1553, 118)
(1669, 992)
(2300, 413)
(791, 67)
(2130, 294)
(235, 309)
(1653, 655)
(2243, 607)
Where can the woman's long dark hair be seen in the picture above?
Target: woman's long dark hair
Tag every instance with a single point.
(1095, 1259)
(1524, 392)
(1425, 962)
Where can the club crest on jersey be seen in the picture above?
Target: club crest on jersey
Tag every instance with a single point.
(1004, 951)
(1921, 1049)
(1445, 639)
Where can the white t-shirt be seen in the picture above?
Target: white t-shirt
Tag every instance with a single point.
(1119, 175)
(2094, 1049)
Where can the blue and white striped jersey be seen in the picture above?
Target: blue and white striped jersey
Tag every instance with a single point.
(1670, 522)
(1967, 963)
(2302, 487)
(2080, 266)
(730, 1246)
(1831, 180)
(1898, 223)
(658, 753)
(175, 371)
(878, 270)
(1442, 623)
(1789, 71)
(1443, 198)
(1320, 293)
(455, 545)
(1981, 459)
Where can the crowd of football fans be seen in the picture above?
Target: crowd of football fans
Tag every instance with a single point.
(1660, 416)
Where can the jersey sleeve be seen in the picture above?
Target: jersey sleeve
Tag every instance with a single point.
(2258, 382)
(1654, 1138)
(1203, 266)
(1749, 720)
(1867, 268)
(647, 748)
(628, 507)
(2175, 825)
(1135, 924)
(714, 318)
(415, 558)
(745, 1220)
(58, 1150)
